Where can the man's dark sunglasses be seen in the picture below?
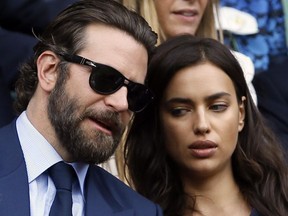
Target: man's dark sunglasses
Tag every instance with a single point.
(106, 80)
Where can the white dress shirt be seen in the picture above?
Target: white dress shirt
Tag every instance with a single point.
(39, 156)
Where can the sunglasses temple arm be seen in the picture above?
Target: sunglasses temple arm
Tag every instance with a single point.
(76, 59)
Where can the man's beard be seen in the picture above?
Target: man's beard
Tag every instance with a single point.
(89, 146)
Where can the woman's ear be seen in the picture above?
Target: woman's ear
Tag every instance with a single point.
(47, 64)
(241, 113)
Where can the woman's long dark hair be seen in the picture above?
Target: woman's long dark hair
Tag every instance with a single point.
(259, 165)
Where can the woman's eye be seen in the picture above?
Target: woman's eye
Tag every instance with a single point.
(218, 107)
(179, 111)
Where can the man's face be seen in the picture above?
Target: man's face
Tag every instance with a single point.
(90, 125)
(83, 143)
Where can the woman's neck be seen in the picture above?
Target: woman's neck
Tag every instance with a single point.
(216, 195)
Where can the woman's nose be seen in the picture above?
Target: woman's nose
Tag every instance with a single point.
(201, 123)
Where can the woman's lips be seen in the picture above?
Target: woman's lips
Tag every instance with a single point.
(203, 149)
(188, 13)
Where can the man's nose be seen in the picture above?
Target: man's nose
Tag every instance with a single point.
(118, 100)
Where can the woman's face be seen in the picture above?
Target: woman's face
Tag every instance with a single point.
(201, 119)
(180, 16)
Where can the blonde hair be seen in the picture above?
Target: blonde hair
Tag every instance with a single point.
(207, 26)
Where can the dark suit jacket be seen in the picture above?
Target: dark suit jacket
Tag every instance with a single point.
(272, 94)
(105, 195)
(6, 107)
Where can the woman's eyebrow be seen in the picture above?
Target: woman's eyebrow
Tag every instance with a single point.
(178, 100)
(188, 101)
(217, 95)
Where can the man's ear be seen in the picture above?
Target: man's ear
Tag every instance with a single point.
(47, 64)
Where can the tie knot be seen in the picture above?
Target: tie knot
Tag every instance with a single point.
(62, 175)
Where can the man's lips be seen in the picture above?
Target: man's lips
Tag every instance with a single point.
(105, 126)
(107, 121)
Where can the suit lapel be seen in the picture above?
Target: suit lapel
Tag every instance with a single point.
(100, 199)
(14, 188)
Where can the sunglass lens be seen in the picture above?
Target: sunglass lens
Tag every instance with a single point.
(105, 80)
(139, 96)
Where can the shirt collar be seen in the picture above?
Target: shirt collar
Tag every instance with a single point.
(39, 154)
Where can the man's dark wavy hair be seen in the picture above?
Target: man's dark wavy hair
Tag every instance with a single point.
(66, 34)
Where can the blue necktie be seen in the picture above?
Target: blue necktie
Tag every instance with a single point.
(63, 176)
